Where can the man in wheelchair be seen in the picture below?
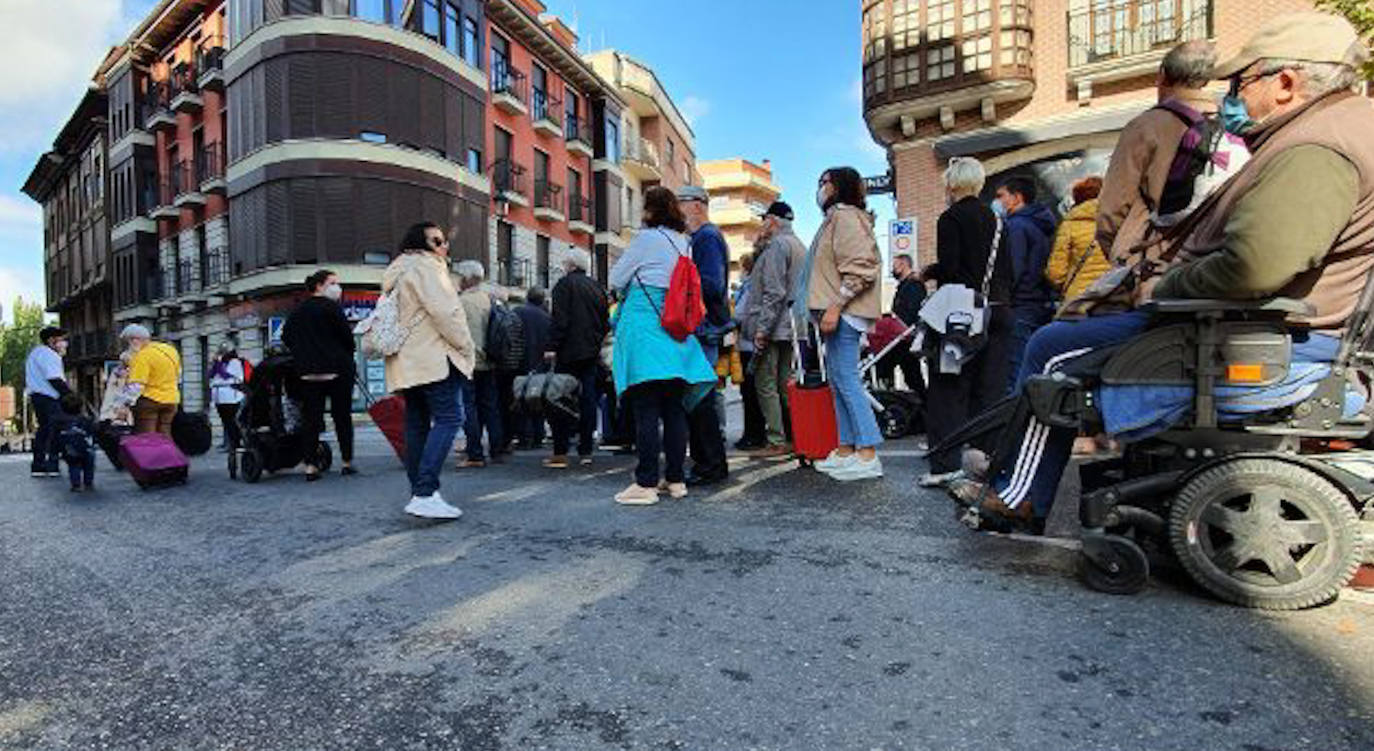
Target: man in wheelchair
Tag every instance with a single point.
(1239, 380)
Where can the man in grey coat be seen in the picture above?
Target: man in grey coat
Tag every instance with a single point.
(775, 272)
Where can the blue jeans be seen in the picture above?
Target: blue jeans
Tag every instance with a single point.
(434, 413)
(1026, 320)
(1044, 452)
(81, 469)
(853, 413)
(480, 406)
(45, 453)
(588, 396)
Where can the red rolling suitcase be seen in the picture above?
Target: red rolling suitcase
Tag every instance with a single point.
(153, 460)
(389, 414)
(811, 404)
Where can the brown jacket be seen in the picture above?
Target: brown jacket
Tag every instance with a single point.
(429, 305)
(1138, 170)
(845, 253)
(1305, 251)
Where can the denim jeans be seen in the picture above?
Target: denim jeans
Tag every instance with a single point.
(434, 413)
(1033, 474)
(81, 470)
(46, 409)
(1026, 320)
(586, 373)
(658, 405)
(853, 412)
(482, 412)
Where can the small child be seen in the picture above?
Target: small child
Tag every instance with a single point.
(76, 435)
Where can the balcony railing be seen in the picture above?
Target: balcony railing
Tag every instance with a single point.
(580, 209)
(210, 62)
(157, 101)
(188, 277)
(167, 188)
(508, 84)
(640, 150)
(545, 107)
(210, 164)
(548, 196)
(508, 179)
(183, 80)
(1116, 29)
(512, 272)
(216, 268)
(577, 134)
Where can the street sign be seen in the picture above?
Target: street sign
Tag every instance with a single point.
(274, 327)
(901, 237)
(879, 184)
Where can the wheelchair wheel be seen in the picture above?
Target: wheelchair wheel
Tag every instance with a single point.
(1114, 565)
(1265, 533)
(894, 421)
(251, 466)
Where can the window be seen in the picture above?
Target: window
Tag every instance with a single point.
(540, 85)
(612, 139)
(541, 256)
(574, 184)
(452, 18)
(672, 151)
(372, 137)
(940, 20)
(474, 161)
(500, 58)
(505, 253)
(940, 63)
(570, 107)
(429, 19)
(977, 53)
(906, 70)
(471, 46)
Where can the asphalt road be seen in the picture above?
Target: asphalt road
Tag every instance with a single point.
(780, 612)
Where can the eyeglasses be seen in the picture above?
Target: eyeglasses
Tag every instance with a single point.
(1239, 82)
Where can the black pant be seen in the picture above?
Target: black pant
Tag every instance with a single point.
(755, 429)
(227, 417)
(339, 392)
(505, 401)
(45, 451)
(658, 405)
(951, 400)
(708, 445)
(586, 372)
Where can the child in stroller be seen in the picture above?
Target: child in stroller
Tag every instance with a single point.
(269, 419)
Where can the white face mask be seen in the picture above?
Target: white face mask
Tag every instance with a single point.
(822, 195)
(333, 292)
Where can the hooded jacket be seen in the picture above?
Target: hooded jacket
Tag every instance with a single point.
(1074, 239)
(1028, 236)
(439, 336)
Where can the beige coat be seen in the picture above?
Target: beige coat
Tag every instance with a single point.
(846, 254)
(477, 307)
(428, 303)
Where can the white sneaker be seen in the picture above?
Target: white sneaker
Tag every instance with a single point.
(933, 480)
(432, 507)
(858, 470)
(835, 461)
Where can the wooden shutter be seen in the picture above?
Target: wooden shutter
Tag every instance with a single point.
(337, 213)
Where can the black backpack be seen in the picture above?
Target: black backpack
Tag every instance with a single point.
(505, 344)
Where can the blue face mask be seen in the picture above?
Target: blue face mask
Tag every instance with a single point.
(1235, 118)
(999, 209)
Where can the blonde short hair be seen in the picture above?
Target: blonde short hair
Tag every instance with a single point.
(965, 176)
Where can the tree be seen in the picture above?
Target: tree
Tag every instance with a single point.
(1360, 14)
(17, 339)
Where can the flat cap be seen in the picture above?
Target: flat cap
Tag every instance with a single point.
(1309, 37)
(693, 193)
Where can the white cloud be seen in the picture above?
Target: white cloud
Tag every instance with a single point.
(856, 91)
(19, 282)
(51, 49)
(694, 108)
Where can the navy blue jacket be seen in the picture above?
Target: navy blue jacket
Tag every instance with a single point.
(1029, 238)
(712, 256)
(536, 323)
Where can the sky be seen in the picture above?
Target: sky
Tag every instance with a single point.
(759, 79)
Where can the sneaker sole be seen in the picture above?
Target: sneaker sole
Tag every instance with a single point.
(447, 517)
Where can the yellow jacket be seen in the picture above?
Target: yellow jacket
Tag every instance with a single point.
(1074, 238)
(158, 367)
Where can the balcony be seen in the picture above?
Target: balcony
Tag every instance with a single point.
(508, 182)
(1112, 40)
(640, 158)
(165, 205)
(189, 280)
(216, 272)
(580, 216)
(548, 201)
(210, 65)
(512, 272)
(186, 191)
(184, 90)
(578, 139)
(157, 106)
(509, 89)
(210, 169)
(547, 115)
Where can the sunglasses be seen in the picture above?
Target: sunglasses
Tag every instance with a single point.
(438, 242)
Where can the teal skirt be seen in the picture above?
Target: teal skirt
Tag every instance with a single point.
(644, 352)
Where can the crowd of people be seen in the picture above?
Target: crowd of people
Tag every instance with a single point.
(1268, 191)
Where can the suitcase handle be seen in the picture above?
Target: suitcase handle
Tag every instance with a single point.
(798, 362)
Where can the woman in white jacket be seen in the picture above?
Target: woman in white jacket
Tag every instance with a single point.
(228, 377)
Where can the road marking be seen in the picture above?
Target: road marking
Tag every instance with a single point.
(751, 479)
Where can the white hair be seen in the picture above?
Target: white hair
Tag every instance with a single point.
(578, 258)
(470, 271)
(135, 331)
(965, 176)
(1317, 79)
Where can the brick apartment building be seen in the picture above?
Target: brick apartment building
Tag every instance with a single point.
(741, 192)
(1040, 88)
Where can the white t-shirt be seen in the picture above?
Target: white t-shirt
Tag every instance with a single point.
(42, 365)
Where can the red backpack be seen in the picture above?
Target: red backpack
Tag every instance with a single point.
(683, 307)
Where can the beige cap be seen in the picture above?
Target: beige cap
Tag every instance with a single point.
(1308, 37)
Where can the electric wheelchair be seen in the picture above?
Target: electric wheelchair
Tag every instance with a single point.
(1261, 507)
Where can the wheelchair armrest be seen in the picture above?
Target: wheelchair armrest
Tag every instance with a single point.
(1284, 305)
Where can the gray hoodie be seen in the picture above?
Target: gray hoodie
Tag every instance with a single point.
(774, 276)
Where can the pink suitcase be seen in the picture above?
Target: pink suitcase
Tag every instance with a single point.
(153, 460)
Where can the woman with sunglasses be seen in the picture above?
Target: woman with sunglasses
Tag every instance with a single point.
(435, 359)
(840, 288)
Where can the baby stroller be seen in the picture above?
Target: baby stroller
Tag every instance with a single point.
(900, 412)
(269, 418)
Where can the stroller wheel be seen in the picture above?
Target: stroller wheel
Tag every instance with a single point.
(894, 421)
(324, 457)
(251, 465)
